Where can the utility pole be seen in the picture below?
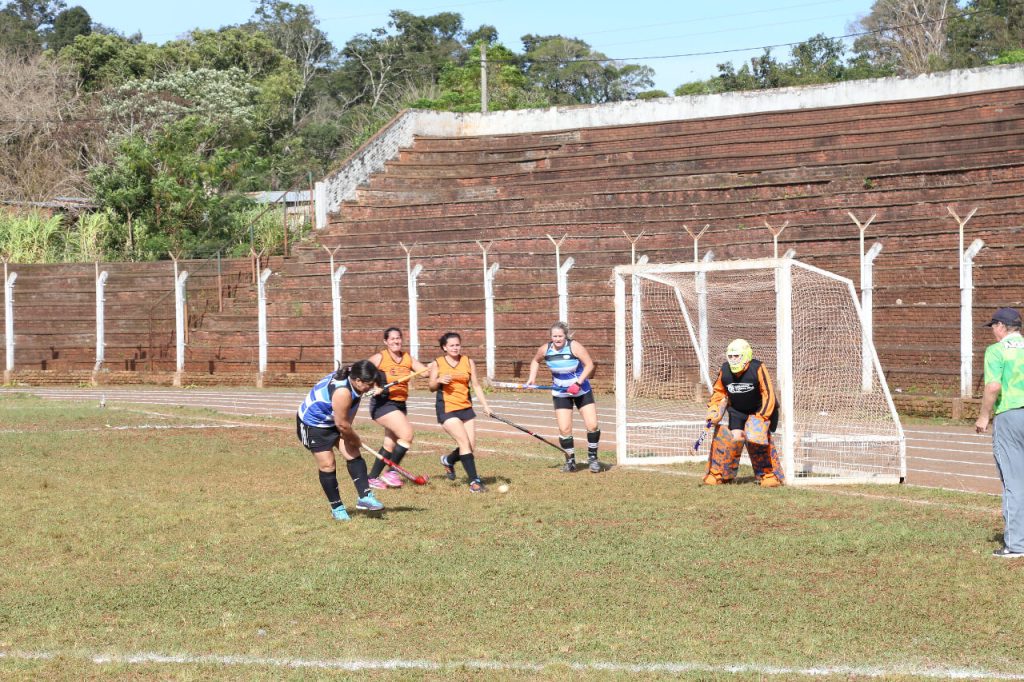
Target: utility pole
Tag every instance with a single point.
(483, 77)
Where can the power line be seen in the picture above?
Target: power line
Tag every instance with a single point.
(709, 53)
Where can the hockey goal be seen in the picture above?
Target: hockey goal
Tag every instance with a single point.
(672, 324)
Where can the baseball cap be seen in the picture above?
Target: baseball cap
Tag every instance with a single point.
(1006, 316)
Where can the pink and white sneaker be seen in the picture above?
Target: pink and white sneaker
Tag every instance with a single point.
(378, 484)
(392, 479)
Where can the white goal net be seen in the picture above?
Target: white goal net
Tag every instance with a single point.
(672, 324)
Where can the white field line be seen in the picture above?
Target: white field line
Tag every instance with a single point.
(677, 668)
(135, 427)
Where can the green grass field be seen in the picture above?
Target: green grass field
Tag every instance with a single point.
(214, 548)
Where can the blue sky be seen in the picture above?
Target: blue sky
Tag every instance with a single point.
(628, 29)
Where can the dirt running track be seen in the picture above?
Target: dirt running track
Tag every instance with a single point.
(951, 457)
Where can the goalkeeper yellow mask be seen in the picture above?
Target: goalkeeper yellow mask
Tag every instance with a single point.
(739, 354)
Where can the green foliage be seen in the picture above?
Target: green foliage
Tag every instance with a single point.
(102, 60)
(984, 30)
(259, 227)
(651, 94)
(507, 86)
(16, 35)
(1011, 57)
(570, 72)
(67, 26)
(178, 184)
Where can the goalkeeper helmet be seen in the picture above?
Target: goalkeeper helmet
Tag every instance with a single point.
(739, 354)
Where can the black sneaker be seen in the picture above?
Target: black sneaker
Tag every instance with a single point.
(569, 467)
(1005, 553)
(594, 465)
(449, 470)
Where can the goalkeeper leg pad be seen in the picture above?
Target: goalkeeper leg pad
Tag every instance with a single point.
(724, 460)
(766, 464)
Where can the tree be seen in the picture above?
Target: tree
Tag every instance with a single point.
(67, 26)
(907, 36)
(507, 86)
(568, 71)
(103, 60)
(983, 30)
(16, 35)
(408, 54)
(294, 31)
(43, 144)
(173, 191)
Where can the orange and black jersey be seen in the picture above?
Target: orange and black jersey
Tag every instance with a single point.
(395, 371)
(751, 392)
(454, 396)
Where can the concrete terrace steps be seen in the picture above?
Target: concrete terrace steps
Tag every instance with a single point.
(840, 117)
(441, 200)
(742, 146)
(851, 182)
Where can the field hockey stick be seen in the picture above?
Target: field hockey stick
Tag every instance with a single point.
(525, 430)
(703, 435)
(418, 480)
(506, 384)
(404, 379)
(572, 389)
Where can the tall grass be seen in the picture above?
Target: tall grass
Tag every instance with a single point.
(37, 238)
(31, 237)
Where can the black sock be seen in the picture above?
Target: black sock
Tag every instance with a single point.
(469, 464)
(357, 470)
(399, 453)
(453, 456)
(378, 465)
(329, 482)
(593, 438)
(569, 445)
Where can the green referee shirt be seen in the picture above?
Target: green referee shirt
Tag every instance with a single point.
(1004, 362)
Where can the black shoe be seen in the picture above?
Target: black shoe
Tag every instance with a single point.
(570, 466)
(1005, 553)
(595, 466)
(449, 470)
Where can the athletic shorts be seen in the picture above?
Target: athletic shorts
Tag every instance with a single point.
(379, 408)
(738, 420)
(463, 415)
(316, 438)
(566, 403)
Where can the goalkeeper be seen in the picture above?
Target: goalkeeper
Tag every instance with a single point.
(744, 402)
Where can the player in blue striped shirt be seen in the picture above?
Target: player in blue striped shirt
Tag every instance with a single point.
(571, 368)
(324, 418)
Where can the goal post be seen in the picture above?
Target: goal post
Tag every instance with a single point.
(672, 324)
